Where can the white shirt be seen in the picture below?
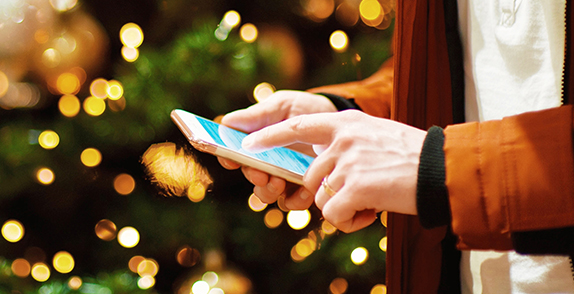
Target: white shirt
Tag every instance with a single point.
(513, 63)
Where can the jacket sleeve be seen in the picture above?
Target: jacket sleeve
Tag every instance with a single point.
(373, 94)
(512, 180)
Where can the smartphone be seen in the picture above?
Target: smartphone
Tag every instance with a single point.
(210, 137)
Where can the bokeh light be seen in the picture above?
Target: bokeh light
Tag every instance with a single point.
(328, 228)
(4, 83)
(347, 14)
(40, 272)
(298, 219)
(359, 255)
(383, 244)
(63, 262)
(51, 58)
(135, 262)
(99, 88)
(339, 41)
(338, 286)
(295, 256)
(69, 105)
(211, 278)
(117, 105)
(148, 267)
(196, 191)
(20, 267)
(273, 218)
(370, 9)
(94, 106)
(231, 18)
(115, 90)
(124, 184)
(130, 54)
(45, 176)
(91, 157)
(384, 216)
(318, 10)
(75, 282)
(146, 282)
(305, 247)
(379, 289)
(262, 91)
(48, 139)
(106, 230)
(63, 5)
(248, 32)
(187, 256)
(131, 35)
(68, 83)
(12, 231)
(128, 237)
(200, 287)
(255, 203)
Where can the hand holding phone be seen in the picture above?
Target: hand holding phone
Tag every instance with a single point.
(219, 140)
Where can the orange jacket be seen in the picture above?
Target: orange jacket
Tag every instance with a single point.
(505, 177)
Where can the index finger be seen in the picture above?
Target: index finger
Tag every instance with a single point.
(307, 129)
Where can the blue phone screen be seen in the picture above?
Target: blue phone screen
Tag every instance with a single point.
(283, 157)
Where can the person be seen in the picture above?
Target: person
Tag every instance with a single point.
(491, 82)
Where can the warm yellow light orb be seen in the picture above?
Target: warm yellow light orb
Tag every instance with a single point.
(298, 219)
(20, 267)
(128, 237)
(248, 32)
(148, 267)
(384, 216)
(305, 247)
(63, 5)
(211, 278)
(40, 272)
(69, 105)
(12, 231)
(146, 282)
(135, 262)
(130, 54)
(359, 255)
(94, 106)
(106, 230)
(131, 35)
(48, 139)
(339, 41)
(379, 289)
(124, 184)
(273, 218)
(68, 83)
(63, 262)
(200, 287)
(115, 90)
(91, 157)
(338, 286)
(370, 9)
(4, 83)
(255, 203)
(45, 176)
(383, 244)
(262, 91)
(75, 283)
(328, 228)
(99, 88)
(231, 18)
(51, 58)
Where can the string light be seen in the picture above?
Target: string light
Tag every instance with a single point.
(379, 289)
(12, 231)
(135, 262)
(328, 228)
(359, 255)
(48, 139)
(68, 83)
(131, 35)
(63, 262)
(45, 176)
(91, 157)
(40, 272)
(69, 105)
(248, 33)
(130, 54)
(262, 91)
(124, 184)
(106, 230)
(75, 283)
(94, 106)
(128, 237)
(20, 267)
(273, 218)
(255, 203)
(339, 41)
(4, 83)
(383, 244)
(115, 90)
(338, 286)
(200, 287)
(146, 282)
(298, 219)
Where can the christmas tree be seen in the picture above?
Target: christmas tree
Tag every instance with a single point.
(86, 88)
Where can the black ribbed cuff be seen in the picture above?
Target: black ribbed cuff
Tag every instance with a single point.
(341, 103)
(551, 241)
(433, 206)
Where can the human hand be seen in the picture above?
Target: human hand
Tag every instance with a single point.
(371, 162)
(279, 106)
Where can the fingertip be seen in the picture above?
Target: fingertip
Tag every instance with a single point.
(256, 177)
(228, 164)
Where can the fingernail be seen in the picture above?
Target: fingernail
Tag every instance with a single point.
(272, 188)
(304, 194)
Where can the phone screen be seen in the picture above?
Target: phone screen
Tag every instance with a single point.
(286, 158)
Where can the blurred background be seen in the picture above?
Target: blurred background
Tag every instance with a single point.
(86, 88)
